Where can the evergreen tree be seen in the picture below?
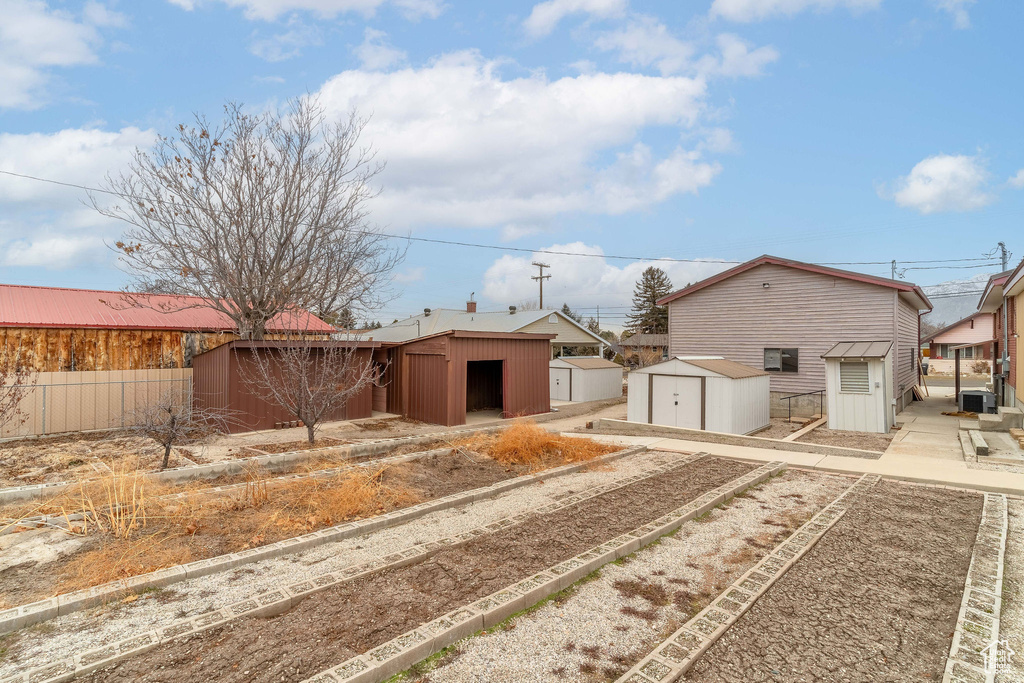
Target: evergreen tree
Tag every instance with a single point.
(593, 326)
(569, 313)
(647, 317)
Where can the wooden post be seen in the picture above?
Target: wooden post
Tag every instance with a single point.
(956, 372)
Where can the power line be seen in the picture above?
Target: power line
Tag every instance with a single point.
(497, 247)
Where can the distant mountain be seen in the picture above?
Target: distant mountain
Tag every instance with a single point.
(954, 300)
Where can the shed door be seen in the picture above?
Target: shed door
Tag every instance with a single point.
(676, 401)
(561, 384)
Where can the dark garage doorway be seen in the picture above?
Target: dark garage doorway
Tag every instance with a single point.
(484, 385)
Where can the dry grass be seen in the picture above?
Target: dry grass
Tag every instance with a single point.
(135, 530)
(527, 443)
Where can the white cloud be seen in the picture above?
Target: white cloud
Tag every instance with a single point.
(515, 231)
(545, 16)
(270, 10)
(410, 275)
(957, 9)
(287, 44)
(35, 39)
(737, 59)
(375, 53)
(582, 281)
(944, 182)
(1017, 181)
(63, 230)
(466, 147)
(647, 42)
(757, 10)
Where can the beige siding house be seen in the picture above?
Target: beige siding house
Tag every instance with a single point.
(782, 315)
(972, 335)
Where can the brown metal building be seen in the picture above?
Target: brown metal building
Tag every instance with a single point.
(441, 377)
(219, 384)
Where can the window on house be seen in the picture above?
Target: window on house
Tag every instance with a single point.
(782, 360)
(552, 318)
(853, 377)
(967, 352)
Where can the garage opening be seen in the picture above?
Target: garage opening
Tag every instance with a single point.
(484, 387)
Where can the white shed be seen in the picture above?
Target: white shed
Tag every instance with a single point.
(858, 386)
(585, 379)
(700, 392)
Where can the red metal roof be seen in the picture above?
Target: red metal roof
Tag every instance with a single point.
(800, 265)
(25, 306)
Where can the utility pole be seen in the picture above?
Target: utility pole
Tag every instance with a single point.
(541, 278)
(1005, 355)
(599, 316)
(894, 269)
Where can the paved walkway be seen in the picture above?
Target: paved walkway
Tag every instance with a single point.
(926, 450)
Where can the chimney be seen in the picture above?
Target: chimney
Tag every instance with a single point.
(470, 307)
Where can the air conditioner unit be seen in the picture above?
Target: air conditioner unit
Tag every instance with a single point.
(977, 401)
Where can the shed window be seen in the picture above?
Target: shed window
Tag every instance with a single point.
(853, 378)
(782, 360)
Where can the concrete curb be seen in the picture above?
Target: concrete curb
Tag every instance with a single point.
(399, 654)
(279, 600)
(977, 626)
(273, 462)
(673, 658)
(44, 610)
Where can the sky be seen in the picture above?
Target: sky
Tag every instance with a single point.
(706, 131)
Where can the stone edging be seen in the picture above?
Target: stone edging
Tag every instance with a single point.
(50, 608)
(14, 494)
(399, 654)
(279, 600)
(977, 626)
(674, 657)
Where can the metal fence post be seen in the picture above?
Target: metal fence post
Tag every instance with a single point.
(122, 404)
(44, 409)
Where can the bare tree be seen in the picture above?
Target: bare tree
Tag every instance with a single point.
(16, 380)
(312, 380)
(172, 421)
(260, 215)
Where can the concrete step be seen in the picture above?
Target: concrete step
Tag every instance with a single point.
(978, 442)
(1013, 418)
(990, 423)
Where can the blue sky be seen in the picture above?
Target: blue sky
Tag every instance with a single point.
(821, 130)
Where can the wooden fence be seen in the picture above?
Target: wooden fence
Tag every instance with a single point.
(81, 401)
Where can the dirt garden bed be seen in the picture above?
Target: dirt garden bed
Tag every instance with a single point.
(63, 458)
(598, 629)
(876, 599)
(362, 614)
(155, 532)
(865, 441)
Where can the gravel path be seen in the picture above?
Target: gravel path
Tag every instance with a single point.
(1011, 620)
(609, 623)
(876, 599)
(65, 636)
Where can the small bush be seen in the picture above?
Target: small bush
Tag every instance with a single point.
(980, 367)
(527, 443)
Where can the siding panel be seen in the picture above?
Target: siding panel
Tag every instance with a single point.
(738, 318)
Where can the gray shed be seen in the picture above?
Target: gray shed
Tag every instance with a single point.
(585, 379)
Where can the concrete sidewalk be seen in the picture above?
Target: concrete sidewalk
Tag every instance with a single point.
(906, 467)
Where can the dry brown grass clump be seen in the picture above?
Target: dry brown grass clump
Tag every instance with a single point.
(527, 443)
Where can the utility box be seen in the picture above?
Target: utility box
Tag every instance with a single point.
(976, 401)
(858, 386)
(700, 392)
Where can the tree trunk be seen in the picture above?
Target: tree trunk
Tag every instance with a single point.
(167, 456)
(309, 432)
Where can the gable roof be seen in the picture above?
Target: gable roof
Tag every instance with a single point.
(725, 367)
(28, 306)
(911, 290)
(1015, 280)
(447, 319)
(992, 295)
(947, 328)
(645, 339)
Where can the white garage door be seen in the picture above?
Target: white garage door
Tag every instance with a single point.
(676, 401)
(560, 384)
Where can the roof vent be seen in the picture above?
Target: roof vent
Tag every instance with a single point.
(426, 312)
(511, 310)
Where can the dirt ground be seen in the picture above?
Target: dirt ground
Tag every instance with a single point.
(50, 560)
(51, 459)
(865, 441)
(780, 428)
(876, 599)
(362, 614)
